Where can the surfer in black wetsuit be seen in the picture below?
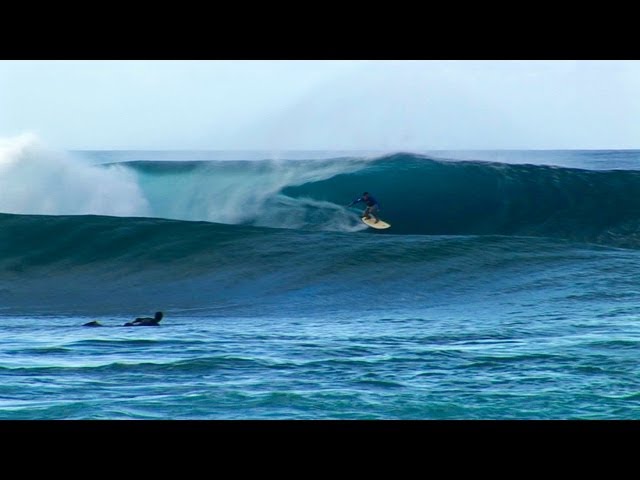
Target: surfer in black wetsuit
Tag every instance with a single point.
(145, 321)
(94, 323)
(372, 206)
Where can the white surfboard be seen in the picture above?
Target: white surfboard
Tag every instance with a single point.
(380, 225)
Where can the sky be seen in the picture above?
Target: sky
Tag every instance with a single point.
(322, 105)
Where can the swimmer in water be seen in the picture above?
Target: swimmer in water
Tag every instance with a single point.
(94, 323)
(146, 321)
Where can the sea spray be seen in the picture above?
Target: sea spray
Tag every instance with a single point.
(37, 180)
(242, 192)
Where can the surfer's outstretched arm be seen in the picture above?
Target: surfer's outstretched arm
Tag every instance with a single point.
(357, 200)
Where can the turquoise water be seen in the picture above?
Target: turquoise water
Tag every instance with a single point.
(512, 294)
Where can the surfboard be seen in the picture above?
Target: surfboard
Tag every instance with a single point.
(372, 223)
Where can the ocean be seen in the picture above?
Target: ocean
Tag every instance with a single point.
(506, 288)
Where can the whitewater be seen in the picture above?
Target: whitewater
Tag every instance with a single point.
(505, 289)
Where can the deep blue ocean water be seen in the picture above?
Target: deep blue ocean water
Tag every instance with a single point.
(507, 287)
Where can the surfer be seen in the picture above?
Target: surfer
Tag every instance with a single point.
(372, 206)
(145, 321)
(94, 323)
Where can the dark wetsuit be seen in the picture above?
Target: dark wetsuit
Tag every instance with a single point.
(370, 202)
(95, 323)
(145, 321)
(372, 206)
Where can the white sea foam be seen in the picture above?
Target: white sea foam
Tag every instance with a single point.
(36, 180)
(249, 193)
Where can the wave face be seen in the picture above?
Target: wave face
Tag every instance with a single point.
(96, 264)
(418, 195)
(426, 196)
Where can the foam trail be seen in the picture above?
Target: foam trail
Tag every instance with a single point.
(308, 214)
(36, 180)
